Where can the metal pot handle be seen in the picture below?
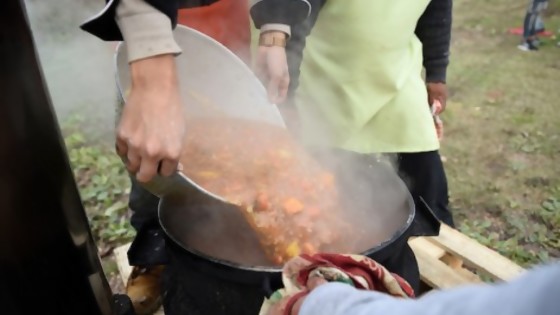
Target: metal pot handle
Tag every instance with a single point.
(426, 223)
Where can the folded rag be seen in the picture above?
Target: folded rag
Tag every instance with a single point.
(358, 271)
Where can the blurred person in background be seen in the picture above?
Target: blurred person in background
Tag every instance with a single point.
(532, 25)
(152, 127)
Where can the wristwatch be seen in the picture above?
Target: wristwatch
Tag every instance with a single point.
(269, 40)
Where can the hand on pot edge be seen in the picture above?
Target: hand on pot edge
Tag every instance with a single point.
(151, 130)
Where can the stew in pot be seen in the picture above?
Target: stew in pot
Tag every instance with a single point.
(288, 198)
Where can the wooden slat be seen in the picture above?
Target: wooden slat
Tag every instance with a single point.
(476, 255)
(125, 269)
(452, 261)
(122, 262)
(468, 275)
(437, 274)
(431, 249)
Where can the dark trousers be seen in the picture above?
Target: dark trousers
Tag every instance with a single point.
(425, 177)
(148, 247)
(143, 205)
(531, 17)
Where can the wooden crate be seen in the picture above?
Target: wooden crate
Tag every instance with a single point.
(453, 259)
(121, 258)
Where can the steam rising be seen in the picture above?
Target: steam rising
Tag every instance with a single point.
(373, 201)
(78, 69)
(77, 66)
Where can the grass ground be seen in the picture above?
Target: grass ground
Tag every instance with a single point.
(501, 146)
(503, 135)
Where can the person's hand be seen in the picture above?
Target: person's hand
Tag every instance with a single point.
(280, 307)
(437, 91)
(272, 68)
(151, 131)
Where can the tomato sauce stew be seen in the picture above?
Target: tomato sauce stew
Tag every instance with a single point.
(289, 199)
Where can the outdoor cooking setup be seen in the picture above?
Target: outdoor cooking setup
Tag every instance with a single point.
(47, 243)
(214, 262)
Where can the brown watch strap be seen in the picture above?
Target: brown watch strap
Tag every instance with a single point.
(269, 41)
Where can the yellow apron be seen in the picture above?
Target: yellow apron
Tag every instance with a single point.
(361, 87)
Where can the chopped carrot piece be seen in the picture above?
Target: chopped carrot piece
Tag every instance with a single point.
(261, 202)
(292, 206)
(277, 259)
(313, 212)
(308, 248)
(293, 249)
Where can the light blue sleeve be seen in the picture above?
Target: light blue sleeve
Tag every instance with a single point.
(535, 293)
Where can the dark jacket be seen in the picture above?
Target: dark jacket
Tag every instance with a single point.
(290, 12)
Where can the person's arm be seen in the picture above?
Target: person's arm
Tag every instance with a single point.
(296, 45)
(279, 12)
(434, 31)
(274, 19)
(104, 25)
(146, 31)
(152, 128)
(537, 292)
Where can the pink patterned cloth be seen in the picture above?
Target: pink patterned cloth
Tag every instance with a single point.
(358, 271)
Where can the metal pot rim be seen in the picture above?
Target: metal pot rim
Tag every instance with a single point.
(268, 269)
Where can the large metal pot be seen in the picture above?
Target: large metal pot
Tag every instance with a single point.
(211, 285)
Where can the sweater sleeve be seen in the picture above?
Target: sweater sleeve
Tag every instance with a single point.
(536, 292)
(296, 45)
(104, 24)
(434, 31)
(146, 31)
(287, 12)
(264, 12)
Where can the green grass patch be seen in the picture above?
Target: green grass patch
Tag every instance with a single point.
(102, 181)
